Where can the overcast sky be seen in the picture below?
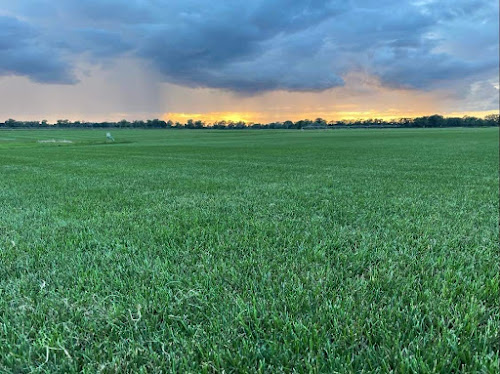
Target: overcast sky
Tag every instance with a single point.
(257, 60)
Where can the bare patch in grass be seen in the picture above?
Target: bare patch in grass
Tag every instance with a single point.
(55, 141)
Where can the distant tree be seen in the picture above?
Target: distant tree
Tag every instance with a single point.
(453, 122)
(156, 124)
(303, 123)
(469, 121)
(320, 122)
(219, 125)
(405, 122)
(12, 123)
(124, 124)
(62, 123)
(199, 124)
(421, 122)
(492, 119)
(435, 121)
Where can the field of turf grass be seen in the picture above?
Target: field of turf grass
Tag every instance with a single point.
(249, 251)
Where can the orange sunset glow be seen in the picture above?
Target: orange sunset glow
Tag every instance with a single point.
(257, 117)
(212, 117)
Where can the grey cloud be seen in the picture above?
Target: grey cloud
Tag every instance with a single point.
(254, 46)
(410, 69)
(483, 96)
(98, 42)
(23, 52)
(204, 46)
(477, 95)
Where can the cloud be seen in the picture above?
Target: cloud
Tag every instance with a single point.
(258, 46)
(98, 43)
(23, 51)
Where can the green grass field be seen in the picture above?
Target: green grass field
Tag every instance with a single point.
(249, 251)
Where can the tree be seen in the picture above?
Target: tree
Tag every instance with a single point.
(435, 121)
(199, 124)
(492, 119)
(138, 124)
(319, 122)
(62, 123)
(12, 123)
(405, 122)
(421, 122)
(124, 123)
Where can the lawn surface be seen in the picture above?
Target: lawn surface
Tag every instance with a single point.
(249, 251)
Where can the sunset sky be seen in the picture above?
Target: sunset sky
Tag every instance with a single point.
(257, 61)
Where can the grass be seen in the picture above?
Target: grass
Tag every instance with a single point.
(249, 251)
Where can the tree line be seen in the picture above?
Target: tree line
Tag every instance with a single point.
(319, 123)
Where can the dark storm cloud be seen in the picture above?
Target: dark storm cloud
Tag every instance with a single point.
(254, 46)
(23, 51)
(100, 43)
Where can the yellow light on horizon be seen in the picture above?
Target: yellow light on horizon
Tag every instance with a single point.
(210, 117)
(267, 117)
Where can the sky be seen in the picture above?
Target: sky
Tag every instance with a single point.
(257, 61)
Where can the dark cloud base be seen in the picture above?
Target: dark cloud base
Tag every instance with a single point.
(252, 47)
